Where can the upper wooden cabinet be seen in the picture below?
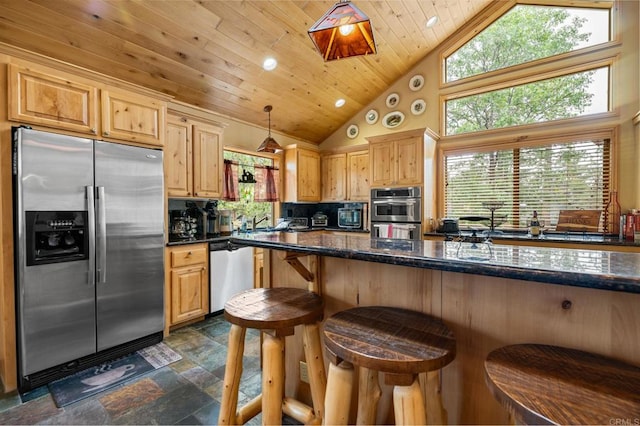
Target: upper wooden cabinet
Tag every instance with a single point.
(193, 158)
(334, 177)
(358, 176)
(345, 176)
(396, 159)
(52, 98)
(302, 177)
(132, 117)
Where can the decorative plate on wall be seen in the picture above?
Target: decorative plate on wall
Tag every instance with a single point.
(416, 82)
(418, 107)
(371, 116)
(393, 119)
(393, 100)
(352, 131)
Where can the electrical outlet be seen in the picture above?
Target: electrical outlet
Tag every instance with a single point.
(304, 373)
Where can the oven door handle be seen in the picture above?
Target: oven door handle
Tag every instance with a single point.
(91, 212)
(102, 236)
(395, 203)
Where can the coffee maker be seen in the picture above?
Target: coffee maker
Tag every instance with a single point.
(210, 219)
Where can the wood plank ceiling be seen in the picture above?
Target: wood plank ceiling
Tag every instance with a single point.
(209, 53)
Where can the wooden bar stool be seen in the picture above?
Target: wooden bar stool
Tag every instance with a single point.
(275, 311)
(549, 384)
(398, 342)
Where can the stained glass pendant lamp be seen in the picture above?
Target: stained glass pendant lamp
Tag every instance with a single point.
(269, 144)
(342, 32)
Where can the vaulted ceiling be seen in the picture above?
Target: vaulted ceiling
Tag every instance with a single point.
(209, 53)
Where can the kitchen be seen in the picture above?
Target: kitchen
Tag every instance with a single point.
(204, 130)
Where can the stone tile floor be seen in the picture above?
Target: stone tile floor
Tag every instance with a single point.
(188, 391)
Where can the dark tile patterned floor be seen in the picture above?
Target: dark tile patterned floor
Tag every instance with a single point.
(188, 391)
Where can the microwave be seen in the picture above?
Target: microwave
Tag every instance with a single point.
(396, 205)
(350, 217)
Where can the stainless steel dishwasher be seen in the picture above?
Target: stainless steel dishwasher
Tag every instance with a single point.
(230, 272)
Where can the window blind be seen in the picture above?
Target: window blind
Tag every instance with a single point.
(546, 179)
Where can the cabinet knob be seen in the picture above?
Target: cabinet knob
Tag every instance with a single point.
(105, 133)
(93, 130)
(189, 254)
(566, 304)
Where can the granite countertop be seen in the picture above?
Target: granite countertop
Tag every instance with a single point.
(550, 236)
(607, 270)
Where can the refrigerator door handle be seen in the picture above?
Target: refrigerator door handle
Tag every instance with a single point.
(91, 213)
(101, 236)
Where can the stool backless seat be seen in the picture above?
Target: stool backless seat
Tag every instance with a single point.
(544, 384)
(397, 342)
(276, 312)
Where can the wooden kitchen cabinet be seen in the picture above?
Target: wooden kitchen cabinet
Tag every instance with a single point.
(396, 159)
(258, 267)
(52, 98)
(187, 284)
(334, 177)
(345, 176)
(193, 158)
(302, 176)
(132, 117)
(358, 186)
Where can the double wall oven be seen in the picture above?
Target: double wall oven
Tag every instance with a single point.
(396, 213)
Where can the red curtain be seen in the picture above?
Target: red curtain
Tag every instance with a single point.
(266, 188)
(230, 191)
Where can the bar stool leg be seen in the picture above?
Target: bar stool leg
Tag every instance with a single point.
(338, 396)
(368, 396)
(436, 414)
(272, 379)
(232, 374)
(315, 362)
(408, 404)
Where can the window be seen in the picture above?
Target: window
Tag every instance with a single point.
(246, 206)
(527, 33)
(546, 177)
(529, 66)
(541, 101)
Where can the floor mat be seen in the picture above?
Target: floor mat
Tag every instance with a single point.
(105, 376)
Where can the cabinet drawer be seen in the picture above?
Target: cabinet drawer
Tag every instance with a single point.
(188, 256)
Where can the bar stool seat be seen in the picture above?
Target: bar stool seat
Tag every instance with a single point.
(551, 384)
(275, 311)
(398, 342)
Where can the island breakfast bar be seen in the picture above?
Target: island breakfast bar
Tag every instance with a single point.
(489, 295)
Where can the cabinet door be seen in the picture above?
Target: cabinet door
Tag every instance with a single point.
(334, 177)
(189, 293)
(207, 155)
(178, 157)
(258, 268)
(358, 176)
(409, 161)
(308, 175)
(52, 101)
(381, 163)
(131, 117)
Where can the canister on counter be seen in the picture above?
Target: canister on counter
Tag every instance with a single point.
(630, 226)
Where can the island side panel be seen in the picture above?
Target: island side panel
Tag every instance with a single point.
(486, 313)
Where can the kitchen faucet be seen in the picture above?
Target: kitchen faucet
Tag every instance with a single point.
(255, 222)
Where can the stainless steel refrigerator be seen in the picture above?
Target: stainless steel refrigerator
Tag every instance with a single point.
(89, 236)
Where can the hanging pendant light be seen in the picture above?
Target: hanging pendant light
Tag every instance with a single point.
(269, 144)
(342, 32)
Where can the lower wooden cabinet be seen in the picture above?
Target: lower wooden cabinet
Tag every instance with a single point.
(186, 284)
(258, 268)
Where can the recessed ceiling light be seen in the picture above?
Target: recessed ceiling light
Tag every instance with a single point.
(432, 21)
(269, 64)
(339, 103)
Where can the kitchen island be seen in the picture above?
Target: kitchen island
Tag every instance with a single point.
(489, 295)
